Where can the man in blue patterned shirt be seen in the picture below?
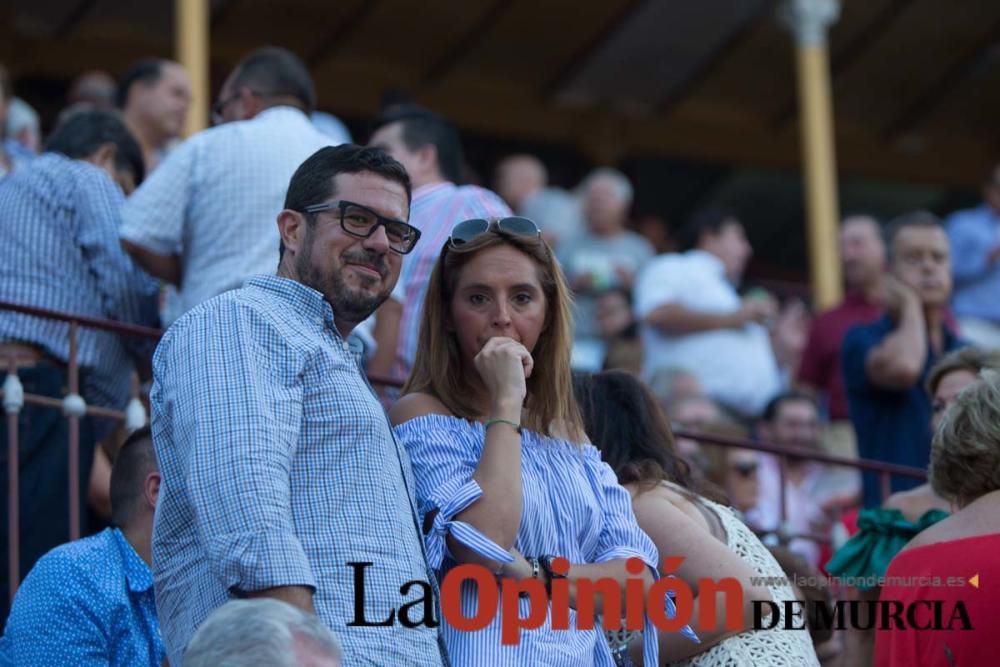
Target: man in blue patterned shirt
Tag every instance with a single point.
(279, 466)
(61, 251)
(90, 602)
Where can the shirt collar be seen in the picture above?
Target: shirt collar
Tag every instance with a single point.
(308, 302)
(858, 298)
(137, 573)
(282, 109)
(709, 260)
(430, 188)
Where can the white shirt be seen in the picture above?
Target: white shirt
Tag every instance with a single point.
(736, 366)
(215, 200)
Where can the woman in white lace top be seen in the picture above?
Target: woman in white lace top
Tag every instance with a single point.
(623, 420)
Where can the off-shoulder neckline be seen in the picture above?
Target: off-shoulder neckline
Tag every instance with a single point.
(452, 420)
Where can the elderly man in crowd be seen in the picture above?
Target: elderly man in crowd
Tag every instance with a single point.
(155, 96)
(12, 152)
(61, 252)
(522, 181)
(280, 467)
(885, 363)
(248, 633)
(90, 602)
(204, 221)
(605, 255)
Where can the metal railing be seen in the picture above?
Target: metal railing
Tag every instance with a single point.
(884, 470)
(74, 408)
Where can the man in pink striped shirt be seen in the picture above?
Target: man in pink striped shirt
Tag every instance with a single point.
(428, 146)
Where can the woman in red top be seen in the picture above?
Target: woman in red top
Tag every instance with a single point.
(948, 577)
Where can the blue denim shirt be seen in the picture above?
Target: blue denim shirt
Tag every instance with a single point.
(89, 602)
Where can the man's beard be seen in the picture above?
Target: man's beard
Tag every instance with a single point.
(349, 304)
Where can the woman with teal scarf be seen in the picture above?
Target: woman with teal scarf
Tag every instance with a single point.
(884, 531)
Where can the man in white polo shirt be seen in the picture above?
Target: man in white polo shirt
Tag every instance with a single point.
(693, 318)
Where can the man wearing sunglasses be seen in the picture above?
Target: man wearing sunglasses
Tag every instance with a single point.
(428, 146)
(279, 466)
(204, 221)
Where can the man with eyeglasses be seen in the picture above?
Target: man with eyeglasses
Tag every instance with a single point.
(279, 465)
(204, 220)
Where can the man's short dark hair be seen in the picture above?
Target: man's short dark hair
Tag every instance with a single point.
(136, 459)
(422, 127)
(908, 220)
(147, 71)
(792, 395)
(711, 219)
(312, 182)
(275, 72)
(84, 131)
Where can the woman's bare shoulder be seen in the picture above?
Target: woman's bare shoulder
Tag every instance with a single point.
(650, 499)
(913, 503)
(416, 405)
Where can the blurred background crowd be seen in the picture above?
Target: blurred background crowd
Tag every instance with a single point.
(686, 273)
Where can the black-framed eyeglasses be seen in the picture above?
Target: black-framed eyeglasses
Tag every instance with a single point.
(361, 222)
(467, 230)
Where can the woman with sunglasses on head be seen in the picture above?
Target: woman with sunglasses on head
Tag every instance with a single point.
(494, 436)
(623, 420)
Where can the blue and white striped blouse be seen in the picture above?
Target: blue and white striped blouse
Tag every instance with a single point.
(573, 506)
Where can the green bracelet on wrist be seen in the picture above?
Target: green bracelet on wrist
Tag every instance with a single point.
(491, 422)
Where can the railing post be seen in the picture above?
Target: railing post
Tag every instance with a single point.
(72, 405)
(135, 411)
(782, 511)
(13, 402)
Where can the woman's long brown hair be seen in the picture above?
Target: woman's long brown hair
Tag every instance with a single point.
(439, 370)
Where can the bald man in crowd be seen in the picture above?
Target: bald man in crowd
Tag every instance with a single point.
(522, 181)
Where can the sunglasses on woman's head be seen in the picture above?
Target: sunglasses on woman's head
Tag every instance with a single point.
(467, 230)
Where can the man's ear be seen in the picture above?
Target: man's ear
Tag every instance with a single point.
(151, 489)
(427, 158)
(250, 102)
(104, 157)
(292, 229)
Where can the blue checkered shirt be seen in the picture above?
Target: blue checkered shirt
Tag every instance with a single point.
(61, 251)
(279, 468)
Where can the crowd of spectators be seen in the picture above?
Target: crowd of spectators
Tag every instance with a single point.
(478, 303)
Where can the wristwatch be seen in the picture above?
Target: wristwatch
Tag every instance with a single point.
(546, 563)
